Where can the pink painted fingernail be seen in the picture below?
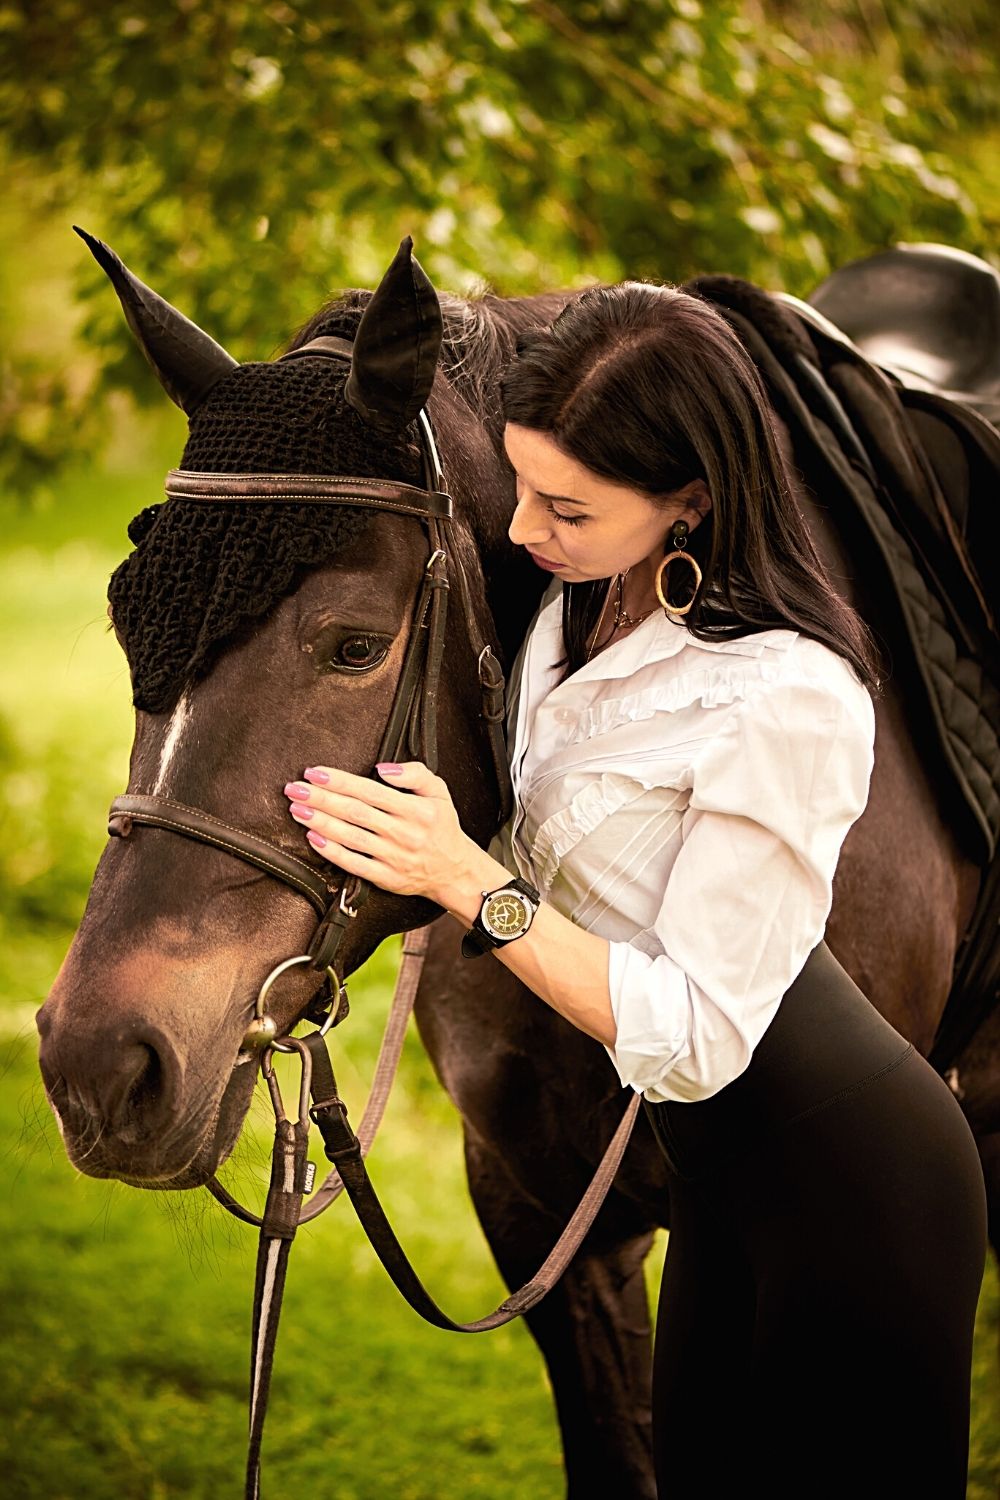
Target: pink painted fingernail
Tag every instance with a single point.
(389, 768)
(300, 811)
(316, 839)
(298, 789)
(320, 777)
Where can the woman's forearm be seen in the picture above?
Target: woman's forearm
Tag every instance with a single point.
(565, 966)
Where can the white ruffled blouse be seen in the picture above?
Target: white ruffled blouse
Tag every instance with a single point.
(688, 801)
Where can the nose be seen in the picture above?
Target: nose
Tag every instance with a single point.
(530, 523)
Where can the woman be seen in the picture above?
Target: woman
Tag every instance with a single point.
(692, 741)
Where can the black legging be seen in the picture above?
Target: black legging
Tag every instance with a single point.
(828, 1230)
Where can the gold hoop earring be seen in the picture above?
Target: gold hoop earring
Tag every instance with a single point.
(679, 536)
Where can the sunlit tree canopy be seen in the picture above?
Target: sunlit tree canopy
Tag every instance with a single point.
(249, 159)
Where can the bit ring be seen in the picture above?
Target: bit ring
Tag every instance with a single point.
(262, 1031)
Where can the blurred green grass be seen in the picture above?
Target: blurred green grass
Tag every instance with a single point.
(127, 1324)
(126, 1315)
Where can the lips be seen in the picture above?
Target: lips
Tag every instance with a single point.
(543, 562)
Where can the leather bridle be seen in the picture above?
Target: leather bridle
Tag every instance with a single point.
(412, 728)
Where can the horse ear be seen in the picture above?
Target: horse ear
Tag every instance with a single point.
(397, 345)
(187, 361)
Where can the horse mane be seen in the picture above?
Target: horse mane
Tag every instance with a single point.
(480, 339)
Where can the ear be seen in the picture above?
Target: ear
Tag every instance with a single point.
(397, 345)
(187, 361)
(698, 502)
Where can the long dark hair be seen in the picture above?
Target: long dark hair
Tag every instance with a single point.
(648, 386)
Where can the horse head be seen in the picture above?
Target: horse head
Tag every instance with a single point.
(266, 632)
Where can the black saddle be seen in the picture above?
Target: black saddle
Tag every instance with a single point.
(929, 317)
(913, 477)
(928, 314)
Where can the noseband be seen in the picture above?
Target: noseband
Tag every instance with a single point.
(412, 728)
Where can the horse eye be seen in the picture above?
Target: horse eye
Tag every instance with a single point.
(360, 652)
(345, 648)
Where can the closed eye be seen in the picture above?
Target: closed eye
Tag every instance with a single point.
(566, 517)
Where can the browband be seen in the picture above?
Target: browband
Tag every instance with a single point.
(337, 489)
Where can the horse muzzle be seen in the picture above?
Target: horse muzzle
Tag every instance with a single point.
(133, 1100)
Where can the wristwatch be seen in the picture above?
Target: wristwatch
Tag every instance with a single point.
(505, 914)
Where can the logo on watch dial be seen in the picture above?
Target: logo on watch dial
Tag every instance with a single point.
(505, 915)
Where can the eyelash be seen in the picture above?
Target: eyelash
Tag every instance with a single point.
(556, 515)
(566, 520)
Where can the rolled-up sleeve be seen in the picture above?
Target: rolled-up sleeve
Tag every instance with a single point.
(774, 793)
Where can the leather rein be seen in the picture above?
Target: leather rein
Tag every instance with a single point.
(411, 732)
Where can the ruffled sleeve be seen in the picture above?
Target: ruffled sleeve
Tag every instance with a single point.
(775, 790)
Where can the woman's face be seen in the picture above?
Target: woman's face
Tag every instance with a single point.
(579, 526)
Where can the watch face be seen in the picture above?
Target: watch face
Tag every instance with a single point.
(505, 914)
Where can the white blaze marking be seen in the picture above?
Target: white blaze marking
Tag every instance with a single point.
(175, 729)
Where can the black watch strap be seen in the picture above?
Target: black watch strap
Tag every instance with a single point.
(477, 940)
(475, 943)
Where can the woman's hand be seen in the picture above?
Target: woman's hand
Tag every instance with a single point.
(403, 836)
(402, 833)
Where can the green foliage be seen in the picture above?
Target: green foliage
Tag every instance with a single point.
(41, 877)
(65, 723)
(249, 159)
(947, 57)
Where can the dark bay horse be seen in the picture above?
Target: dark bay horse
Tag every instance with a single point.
(255, 653)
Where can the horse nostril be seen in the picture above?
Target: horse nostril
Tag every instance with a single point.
(145, 1092)
(132, 1088)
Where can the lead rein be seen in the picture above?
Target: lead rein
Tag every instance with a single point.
(290, 1177)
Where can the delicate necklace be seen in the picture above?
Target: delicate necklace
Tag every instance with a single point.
(622, 616)
(597, 628)
(623, 620)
